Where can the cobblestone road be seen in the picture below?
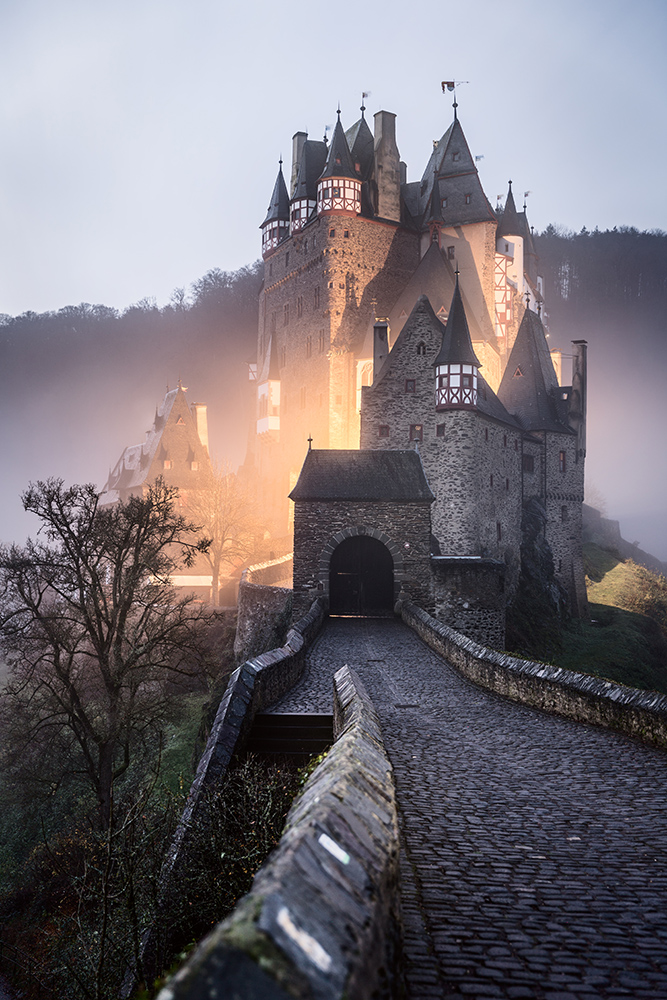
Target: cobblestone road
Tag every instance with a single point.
(534, 860)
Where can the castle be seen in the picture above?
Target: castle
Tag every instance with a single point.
(404, 318)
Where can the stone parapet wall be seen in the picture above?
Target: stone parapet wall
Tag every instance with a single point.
(264, 613)
(642, 714)
(272, 571)
(322, 917)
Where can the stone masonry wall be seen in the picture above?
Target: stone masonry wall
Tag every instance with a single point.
(264, 613)
(469, 596)
(577, 696)
(322, 917)
(320, 526)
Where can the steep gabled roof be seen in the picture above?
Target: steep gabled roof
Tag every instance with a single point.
(457, 346)
(361, 143)
(529, 388)
(311, 165)
(339, 161)
(452, 163)
(279, 206)
(510, 224)
(394, 476)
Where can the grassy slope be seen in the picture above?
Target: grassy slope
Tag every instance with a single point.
(619, 642)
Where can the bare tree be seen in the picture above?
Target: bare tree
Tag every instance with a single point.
(229, 519)
(93, 635)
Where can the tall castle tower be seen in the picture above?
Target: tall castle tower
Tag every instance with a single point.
(352, 241)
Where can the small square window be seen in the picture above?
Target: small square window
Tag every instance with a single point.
(332, 232)
(383, 431)
(440, 431)
(409, 385)
(416, 432)
(346, 234)
(451, 253)
(167, 463)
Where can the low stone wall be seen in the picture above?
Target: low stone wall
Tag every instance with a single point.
(253, 687)
(578, 696)
(322, 917)
(264, 613)
(271, 571)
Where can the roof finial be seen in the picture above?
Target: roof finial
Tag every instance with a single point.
(527, 300)
(338, 111)
(280, 161)
(365, 94)
(539, 309)
(456, 272)
(310, 442)
(510, 186)
(455, 106)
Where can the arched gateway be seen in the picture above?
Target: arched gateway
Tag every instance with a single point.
(361, 577)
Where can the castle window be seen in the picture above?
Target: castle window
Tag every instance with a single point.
(331, 284)
(322, 341)
(486, 433)
(303, 397)
(332, 232)
(167, 463)
(507, 485)
(316, 297)
(504, 440)
(443, 381)
(499, 531)
(466, 382)
(409, 385)
(528, 463)
(440, 431)
(286, 314)
(283, 356)
(416, 432)
(468, 199)
(456, 157)
(357, 167)
(346, 234)
(287, 259)
(435, 236)
(383, 431)
(194, 466)
(518, 373)
(421, 348)
(563, 513)
(491, 480)
(451, 253)
(273, 322)
(335, 192)
(309, 346)
(443, 203)
(562, 461)
(299, 306)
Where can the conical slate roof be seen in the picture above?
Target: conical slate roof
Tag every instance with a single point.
(339, 162)
(529, 388)
(279, 206)
(510, 224)
(362, 145)
(313, 158)
(453, 166)
(457, 346)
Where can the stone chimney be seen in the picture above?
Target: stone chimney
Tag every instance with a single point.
(380, 346)
(201, 422)
(387, 167)
(298, 140)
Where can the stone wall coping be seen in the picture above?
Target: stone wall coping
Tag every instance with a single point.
(583, 697)
(483, 560)
(322, 917)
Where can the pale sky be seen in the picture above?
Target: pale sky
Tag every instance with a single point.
(140, 138)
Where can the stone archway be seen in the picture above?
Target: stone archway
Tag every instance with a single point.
(361, 577)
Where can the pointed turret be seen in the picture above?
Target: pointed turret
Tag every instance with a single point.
(529, 388)
(339, 186)
(510, 224)
(457, 365)
(312, 159)
(276, 224)
(360, 141)
(462, 198)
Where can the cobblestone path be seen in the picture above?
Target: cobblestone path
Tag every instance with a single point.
(535, 848)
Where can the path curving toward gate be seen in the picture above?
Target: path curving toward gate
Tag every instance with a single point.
(534, 861)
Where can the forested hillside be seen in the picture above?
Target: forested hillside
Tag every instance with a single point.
(81, 384)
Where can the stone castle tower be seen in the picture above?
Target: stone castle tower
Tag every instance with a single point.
(350, 241)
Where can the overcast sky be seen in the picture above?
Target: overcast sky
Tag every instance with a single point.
(140, 138)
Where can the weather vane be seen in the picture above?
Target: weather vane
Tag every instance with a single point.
(451, 85)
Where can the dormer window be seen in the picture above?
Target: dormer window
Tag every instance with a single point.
(456, 157)
(443, 203)
(468, 199)
(451, 253)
